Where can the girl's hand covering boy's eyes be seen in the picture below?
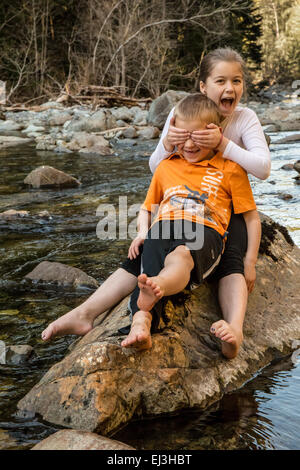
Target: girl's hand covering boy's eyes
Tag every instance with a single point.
(175, 136)
(208, 138)
(133, 251)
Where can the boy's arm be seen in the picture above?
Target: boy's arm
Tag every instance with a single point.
(143, 223)
(254, 234)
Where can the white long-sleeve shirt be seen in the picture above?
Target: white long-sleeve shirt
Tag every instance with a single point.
(247, 146)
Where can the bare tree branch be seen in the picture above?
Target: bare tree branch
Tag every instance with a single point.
(231, 6)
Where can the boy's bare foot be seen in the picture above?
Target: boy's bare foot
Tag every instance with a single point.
(72, 323)
(150, 292)
(231, 338)
(139, 336)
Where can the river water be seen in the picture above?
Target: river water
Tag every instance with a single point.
(263, 414)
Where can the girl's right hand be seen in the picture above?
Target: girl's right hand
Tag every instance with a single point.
(174, 136)
(133, 251)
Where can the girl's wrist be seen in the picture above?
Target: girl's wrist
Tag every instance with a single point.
(168, 148)
(223, 144)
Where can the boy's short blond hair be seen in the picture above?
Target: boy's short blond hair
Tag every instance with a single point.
(198, 106)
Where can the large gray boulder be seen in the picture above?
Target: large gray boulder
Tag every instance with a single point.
(162, 105)
(100, 386)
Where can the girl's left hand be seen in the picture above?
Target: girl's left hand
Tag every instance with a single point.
(208, 138)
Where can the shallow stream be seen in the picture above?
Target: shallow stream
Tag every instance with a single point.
(264, 414)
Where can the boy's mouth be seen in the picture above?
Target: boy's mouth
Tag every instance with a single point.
(191, 152)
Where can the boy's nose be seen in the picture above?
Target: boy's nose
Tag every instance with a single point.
(189, 142)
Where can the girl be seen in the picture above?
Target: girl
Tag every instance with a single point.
(222, 76)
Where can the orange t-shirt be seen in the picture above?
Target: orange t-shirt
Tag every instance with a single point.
(201, 192)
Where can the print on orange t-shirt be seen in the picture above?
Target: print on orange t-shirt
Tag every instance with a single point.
(201, 192)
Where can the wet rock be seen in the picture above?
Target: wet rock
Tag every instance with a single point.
(297, 179)
(10, 126)
(285, 196)
(128, 133)
(149, 133)
(272, 128)
(11, 141)
(287, 166)
(13, 214)
(61, 274)
(162, 105)
(70, 439)
(89, 143)
(100, 386)
(121, 123)
(140, 116)
(268, 138)
(99, 121)
(289, 139)
(44, 214)
(123, 113)
(49, 177)
(97, 150)
(18, 354)
(7, 442)
(297, 166)
(59, 118)
(33, 129)
(285, 119)
(127, 143)
(45, 142)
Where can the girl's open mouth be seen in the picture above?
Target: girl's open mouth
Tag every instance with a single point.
(227, 102)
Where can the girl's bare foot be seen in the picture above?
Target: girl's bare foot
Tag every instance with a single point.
(72, 323)
(139, 336)
(150, 292)
(231, 338)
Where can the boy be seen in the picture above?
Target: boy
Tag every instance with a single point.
(195, 189)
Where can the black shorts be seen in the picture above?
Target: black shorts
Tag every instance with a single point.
(231, 260)
(204, 243)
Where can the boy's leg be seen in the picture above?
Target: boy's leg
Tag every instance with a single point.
(167, 274)
(79, 321)
(172, 279)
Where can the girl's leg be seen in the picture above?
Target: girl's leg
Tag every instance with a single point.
(233, 296)
(79, 321)
(233, 293)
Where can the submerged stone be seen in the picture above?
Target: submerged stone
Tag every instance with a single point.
(61, 274)
(68, 439)
(46, 177)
